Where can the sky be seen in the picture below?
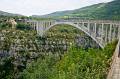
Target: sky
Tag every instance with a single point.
(41, 7)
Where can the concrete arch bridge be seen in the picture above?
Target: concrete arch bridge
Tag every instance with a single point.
(101, 31)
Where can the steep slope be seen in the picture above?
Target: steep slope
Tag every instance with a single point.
(110, 10)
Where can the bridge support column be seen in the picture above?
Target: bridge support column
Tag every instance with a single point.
(95, 30)
(40, 28)
(102, 35)
(37, 26)
(82, 24)
(88, 27)
(43, 25)
(100, 30)
(110, 33)
(106, 34)
(49, 23)
(113, 33)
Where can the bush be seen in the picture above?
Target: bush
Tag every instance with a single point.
(75, 64)
(22, 26)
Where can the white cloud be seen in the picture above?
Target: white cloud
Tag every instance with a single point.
(40, 7)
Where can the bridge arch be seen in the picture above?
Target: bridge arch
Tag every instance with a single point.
(76, 26)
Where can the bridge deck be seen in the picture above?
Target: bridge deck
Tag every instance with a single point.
(114, 72)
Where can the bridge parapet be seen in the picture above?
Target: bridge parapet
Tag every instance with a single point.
(114, 72)
(90, 21)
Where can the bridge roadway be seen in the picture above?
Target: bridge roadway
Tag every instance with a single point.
(114, 72)
(101, 31)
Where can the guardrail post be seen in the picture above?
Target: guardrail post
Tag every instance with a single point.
(119, 51)
(119, 48)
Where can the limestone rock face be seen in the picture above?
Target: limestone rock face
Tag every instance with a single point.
(13, 23)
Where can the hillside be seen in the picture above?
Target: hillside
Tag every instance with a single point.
(55, 14)
(2, 13)
(110, 10)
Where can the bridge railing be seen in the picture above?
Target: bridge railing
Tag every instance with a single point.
(88, 20)
(114, 72)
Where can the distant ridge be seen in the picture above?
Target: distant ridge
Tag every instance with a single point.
(2, 13)
(110, 10)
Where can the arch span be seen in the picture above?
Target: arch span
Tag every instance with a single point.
(76, 26)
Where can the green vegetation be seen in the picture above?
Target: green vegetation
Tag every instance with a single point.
(70, 35)
(75, 64)
(17, 47)
(109, 11)
(23, 26)
(63, 53)
(4, 22)
(26, 55)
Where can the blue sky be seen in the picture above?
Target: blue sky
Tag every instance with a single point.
(41, 7)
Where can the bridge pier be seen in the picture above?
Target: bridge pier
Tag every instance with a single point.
(95, 29)
(103, 41)
(106, 34)
(88, 27)
(110, 33)
(40, 28)
(113, 34)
